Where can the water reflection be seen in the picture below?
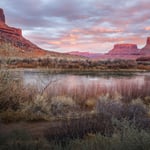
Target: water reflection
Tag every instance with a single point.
(41, 79)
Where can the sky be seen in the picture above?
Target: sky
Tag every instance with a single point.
(80, 25)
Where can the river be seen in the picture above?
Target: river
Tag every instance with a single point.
(42, 79)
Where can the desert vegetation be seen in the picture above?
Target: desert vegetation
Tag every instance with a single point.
(14, 57)
(127, 137)
(143, 62)
(114, 117)
(78, 64)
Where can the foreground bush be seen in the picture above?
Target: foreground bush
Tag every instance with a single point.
(120, 110)
(136, 112)
(12, 91)
(128, 138)
(80, 127)
(125, 137)
(62, 105)
(22, 140)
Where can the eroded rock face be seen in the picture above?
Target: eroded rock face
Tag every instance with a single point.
(10, 30)
(5, 28)
(146, 50)
(124, 49)
(148, 41)
(2, 16)
(13, 36)
(125, 46)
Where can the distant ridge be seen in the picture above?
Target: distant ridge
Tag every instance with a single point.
(120, 51)
(86, 54)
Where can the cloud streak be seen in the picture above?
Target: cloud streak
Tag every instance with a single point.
(87, 25)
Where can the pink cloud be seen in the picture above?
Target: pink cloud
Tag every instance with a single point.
(93, 39)
(147, 28)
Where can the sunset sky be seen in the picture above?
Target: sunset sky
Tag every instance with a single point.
(80, 25)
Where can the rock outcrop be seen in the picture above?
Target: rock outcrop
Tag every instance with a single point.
(2, 16)
(128, 51)
(13, 44)
(146, 49)
(124, 49)
(13, 36)
(6, 29)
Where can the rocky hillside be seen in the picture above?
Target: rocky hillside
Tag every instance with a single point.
(13, 44)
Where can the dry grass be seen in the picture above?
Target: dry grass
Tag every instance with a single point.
(59, 100)
(86, 95)
(125, 136)
(103, 126)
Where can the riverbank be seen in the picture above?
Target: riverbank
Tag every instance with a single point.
(76, 64)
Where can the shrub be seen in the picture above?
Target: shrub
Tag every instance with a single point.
(133, 111)
(61, 105)
(13, 92)
(7, 84)
(80, 127)
(146, 100)
(39, 104)
(109, 107)
(125, 136)
(21, 140)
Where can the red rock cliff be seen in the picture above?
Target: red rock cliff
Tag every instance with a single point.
(14, 37)
(2, 16)
(6, 29)
(124, 49)
(146, 50)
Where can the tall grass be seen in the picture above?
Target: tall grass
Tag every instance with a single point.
(83, 93)
(91, 116)
(13, 92)
(59, 99)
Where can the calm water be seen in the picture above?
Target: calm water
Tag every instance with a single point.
(42, 79)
